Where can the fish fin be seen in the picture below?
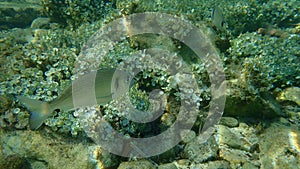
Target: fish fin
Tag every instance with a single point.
(39, 111)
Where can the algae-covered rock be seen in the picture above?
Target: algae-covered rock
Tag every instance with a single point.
(259, 67)
(235, 156)
(212, 165)
(218, 164)
(14, 161)
(140, 164)
(103, 158)
(290, 94)
(182, 163)
(229, 121)
(265, 62)
(242, 137)
(74, 13)
(249, 165)
(279, 146)
(242, 103)
(237, 145)
(167, 166)
(201, 152)
(231, 138)
(53, 150)
(240, 16)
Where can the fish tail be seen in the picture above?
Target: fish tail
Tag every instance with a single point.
(39, 111)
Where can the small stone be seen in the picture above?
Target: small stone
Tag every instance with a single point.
(167, 166)
(197, 152)
(218, 164)
(249, 165)
(229, 121)
(233, 138)
(183, 162)
(39, 165)
(225, 136)
(141, 164)
(198, 166)
(235, 156)
(187, 136)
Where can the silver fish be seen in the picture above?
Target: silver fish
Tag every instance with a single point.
(217, 18)
(109, 84)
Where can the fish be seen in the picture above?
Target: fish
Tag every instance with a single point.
(109, 84)
(217, 18)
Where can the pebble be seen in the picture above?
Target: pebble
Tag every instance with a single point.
(167, 166)
(198, 152)
(141, 164)
(229, 121)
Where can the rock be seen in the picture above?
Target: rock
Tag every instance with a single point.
(197, 152)
(198, 166)
(231, 138)
(235, 156)
(54, 150)
(167, 166)
(15, 161)
(280, 146)
(249, 165)
(239, 103)
(141, 164)
(229, 121)
(290, 94)
(39, 165)
(237, 145)
(218, 164)
(103, 158)
(211, 165)
(182, 163)
(187, 135)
